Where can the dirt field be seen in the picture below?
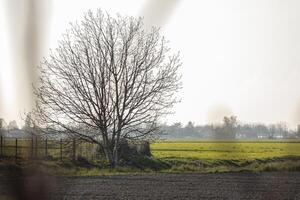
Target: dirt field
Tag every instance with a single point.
(273, 185)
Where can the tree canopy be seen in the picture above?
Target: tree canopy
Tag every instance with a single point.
(108, 80)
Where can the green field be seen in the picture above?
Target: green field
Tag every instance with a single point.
(174, 156)
(243, 150)
(225, 156)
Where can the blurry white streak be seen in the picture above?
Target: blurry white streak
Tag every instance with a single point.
(26, 24)
(7, 86)
(157, 12)
(217, 112)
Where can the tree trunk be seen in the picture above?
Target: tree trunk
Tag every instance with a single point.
(110, 156)
(115, 156)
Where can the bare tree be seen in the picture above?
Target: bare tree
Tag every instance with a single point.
(228, 129)
(108, 80)
(2, 126)
(30, 127)
(12, 125)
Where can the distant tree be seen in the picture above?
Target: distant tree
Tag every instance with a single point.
(298, 131)
(272, 131)
(261, 130)
(1, 126)
(12, 125)
(228, 129)
(190, 125)
(30, 125)
(282, 129)
(176, 130)
(207, 131)
(177, 125)
(230, 121)
(189, 129)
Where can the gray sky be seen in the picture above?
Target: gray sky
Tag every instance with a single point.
(239, 57)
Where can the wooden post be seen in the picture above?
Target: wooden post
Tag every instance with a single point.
(16, 153)
(74, 150)
(36, 148)
(46, 148)
(61, 156)
(31, 148)
(1, 146)
(80, 149)
(92, 152)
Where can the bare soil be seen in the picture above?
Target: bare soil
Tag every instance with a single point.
(266, 185)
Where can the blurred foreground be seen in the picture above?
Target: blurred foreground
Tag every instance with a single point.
(174, 186)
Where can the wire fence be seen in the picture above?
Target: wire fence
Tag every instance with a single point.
(36, 148)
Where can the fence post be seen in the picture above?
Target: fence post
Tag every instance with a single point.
(16, 153)
(61, 157)
(1, 146)
(46, 148)
(31, 148)
(74, 149)
(36, 147)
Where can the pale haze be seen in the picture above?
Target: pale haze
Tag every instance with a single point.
(239, 57)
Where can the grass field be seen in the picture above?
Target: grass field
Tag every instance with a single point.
(229, 155)
(244, 150)
(188, 156)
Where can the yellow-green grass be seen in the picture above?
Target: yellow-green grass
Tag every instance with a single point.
(225, 150)
(178, 156)
(228, 156)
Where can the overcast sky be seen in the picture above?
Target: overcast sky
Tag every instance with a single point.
(239, 57)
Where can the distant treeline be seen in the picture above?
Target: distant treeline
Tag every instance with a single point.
(229, 129)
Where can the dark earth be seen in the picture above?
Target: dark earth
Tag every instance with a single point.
(267, 185)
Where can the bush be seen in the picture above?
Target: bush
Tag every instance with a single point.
(145, 162)
(128, 151)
